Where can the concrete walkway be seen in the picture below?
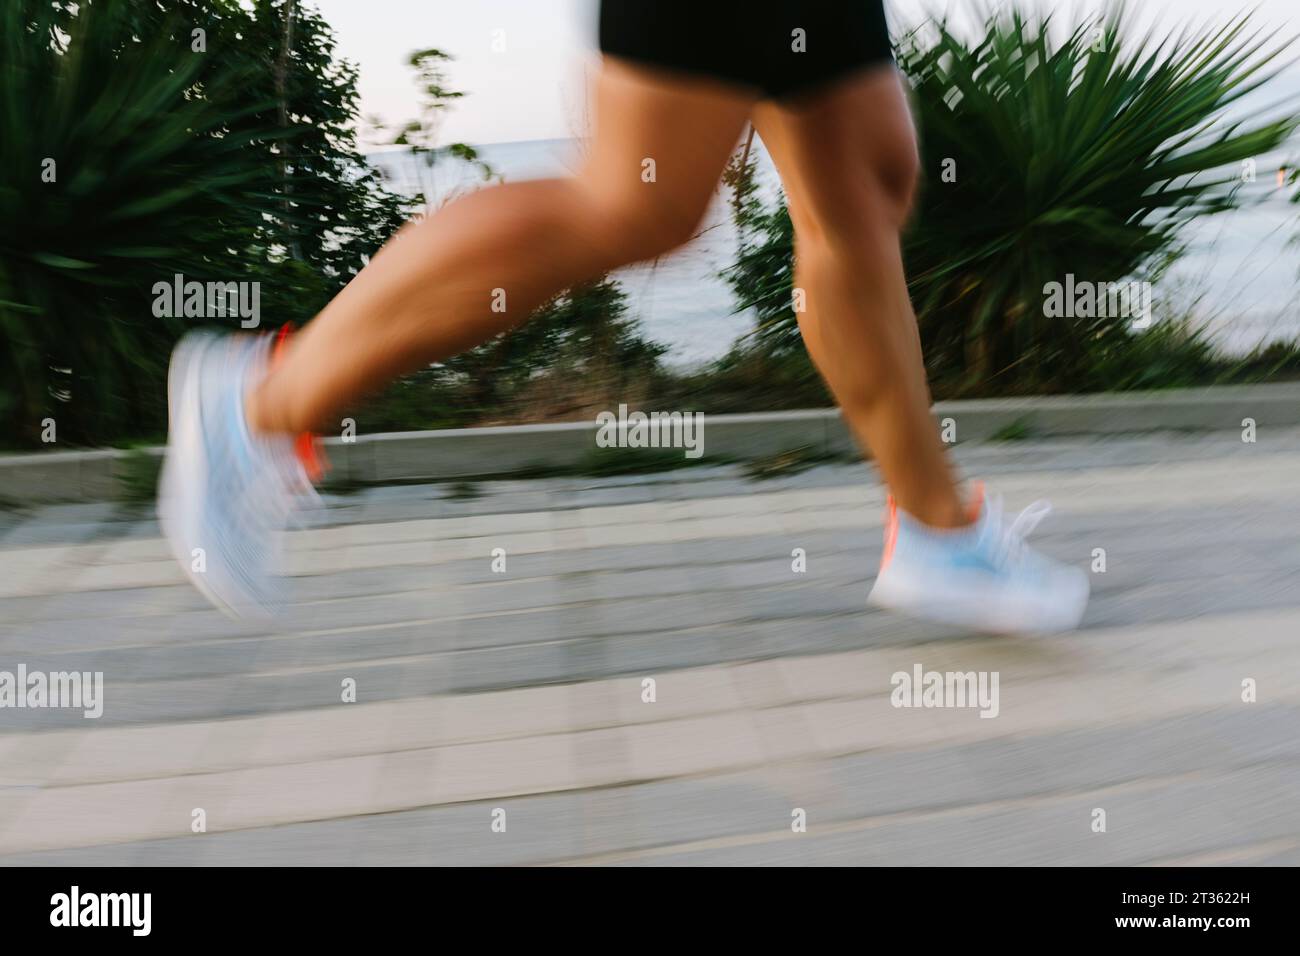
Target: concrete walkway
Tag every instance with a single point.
(518, 697)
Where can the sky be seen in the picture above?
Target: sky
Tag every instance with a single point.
(524, 64)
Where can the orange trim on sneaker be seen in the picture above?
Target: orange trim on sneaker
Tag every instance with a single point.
(311, 455)
(281, 336)
(307, 446)
(891, 530)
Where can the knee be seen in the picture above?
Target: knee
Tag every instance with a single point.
(864, 214)
(897, 173)
(642, 224)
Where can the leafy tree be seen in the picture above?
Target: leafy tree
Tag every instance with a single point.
(209, 138)
(329, 210)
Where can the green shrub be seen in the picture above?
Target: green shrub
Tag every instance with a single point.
(115, 179)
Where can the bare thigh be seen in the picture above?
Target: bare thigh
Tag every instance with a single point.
(847, 157)
(661, 141)
(847, 160)
(843, 153)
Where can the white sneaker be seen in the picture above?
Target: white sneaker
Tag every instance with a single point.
(984, 576)
(225, 495)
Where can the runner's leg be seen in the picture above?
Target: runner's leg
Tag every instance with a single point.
(847, 159)
(429, 293)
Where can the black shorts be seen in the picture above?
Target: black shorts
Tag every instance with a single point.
(778, 47)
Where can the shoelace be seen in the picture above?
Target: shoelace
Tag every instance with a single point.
(1010, 545)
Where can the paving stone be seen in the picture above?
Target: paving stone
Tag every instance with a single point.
(673, 573)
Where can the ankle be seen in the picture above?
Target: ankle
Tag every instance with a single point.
(945, 514)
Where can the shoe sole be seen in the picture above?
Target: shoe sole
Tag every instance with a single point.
(975, 610)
